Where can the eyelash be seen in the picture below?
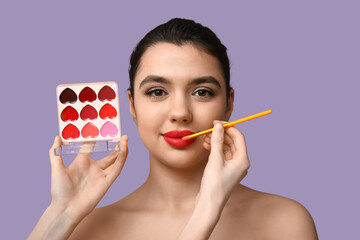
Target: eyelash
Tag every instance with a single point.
(207, 91)
(152, 91)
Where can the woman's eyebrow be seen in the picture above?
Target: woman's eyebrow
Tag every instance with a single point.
(208, 79)
(196, 81)
(152, 78)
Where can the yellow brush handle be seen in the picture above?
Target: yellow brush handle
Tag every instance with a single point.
(247, 118)
(230, 124)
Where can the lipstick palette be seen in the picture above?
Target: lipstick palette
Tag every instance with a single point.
(88, 112)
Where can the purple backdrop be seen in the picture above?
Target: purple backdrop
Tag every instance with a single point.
(300, 59)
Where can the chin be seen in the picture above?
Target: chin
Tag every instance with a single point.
(191, 157)
(182, 158)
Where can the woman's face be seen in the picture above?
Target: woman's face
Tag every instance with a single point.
(178, 89)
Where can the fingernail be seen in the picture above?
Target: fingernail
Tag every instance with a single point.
(217, 127)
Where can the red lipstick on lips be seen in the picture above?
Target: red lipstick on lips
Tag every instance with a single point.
(174, 138)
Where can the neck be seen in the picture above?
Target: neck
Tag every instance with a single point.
(173, 188)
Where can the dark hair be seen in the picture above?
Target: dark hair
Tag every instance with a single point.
(180, 31)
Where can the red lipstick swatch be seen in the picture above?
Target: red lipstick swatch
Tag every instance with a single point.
(69, 114)
(70, 131)
(107, 111)
(68, 95)
(106, 93)
(90, 130)
(88, 112)
(87, 94)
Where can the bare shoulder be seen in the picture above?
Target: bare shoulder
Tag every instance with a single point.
(276, 216)
(102, 223)
(120, 220)
(288, 218)
(95, 225)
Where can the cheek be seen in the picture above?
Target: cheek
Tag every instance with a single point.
(206, 113)
(149, 119)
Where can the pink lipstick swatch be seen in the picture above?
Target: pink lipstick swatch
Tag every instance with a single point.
(109, 129)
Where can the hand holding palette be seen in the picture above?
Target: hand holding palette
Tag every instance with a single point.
(88, 112)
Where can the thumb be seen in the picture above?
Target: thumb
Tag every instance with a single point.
(56, 161)
(217, 139)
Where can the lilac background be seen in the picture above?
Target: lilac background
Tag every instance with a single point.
(299, 58)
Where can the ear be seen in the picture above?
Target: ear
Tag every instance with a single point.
(230, 105)
(132, 107)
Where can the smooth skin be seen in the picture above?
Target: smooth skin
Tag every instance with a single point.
(191, 192)
(77, 189)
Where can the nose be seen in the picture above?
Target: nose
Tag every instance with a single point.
(180, 110)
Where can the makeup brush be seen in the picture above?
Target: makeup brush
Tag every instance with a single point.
(229, 124)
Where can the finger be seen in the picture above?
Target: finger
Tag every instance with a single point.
(222, 123)
(217, 141)
(227, 138)
(228, 141)
(84, 157)
(240, 152)
(114, 170)
(219, 121)
(207, 139)
(225, 147)
(87, 149)
(239, 140)
(228, 155)
(207, 146)
(107, 161)
(56, 161)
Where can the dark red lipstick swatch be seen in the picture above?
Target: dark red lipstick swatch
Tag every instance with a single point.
(88, 112)
(68, 96)
(106, 93)
(87, 94)
(70, 131)
(69, 114)
(107, 111)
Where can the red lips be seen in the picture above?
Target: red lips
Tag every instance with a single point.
(174, 138)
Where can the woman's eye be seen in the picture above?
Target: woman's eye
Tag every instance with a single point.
(203, 93)
(156, 92)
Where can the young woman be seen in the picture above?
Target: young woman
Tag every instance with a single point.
(179, 84)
